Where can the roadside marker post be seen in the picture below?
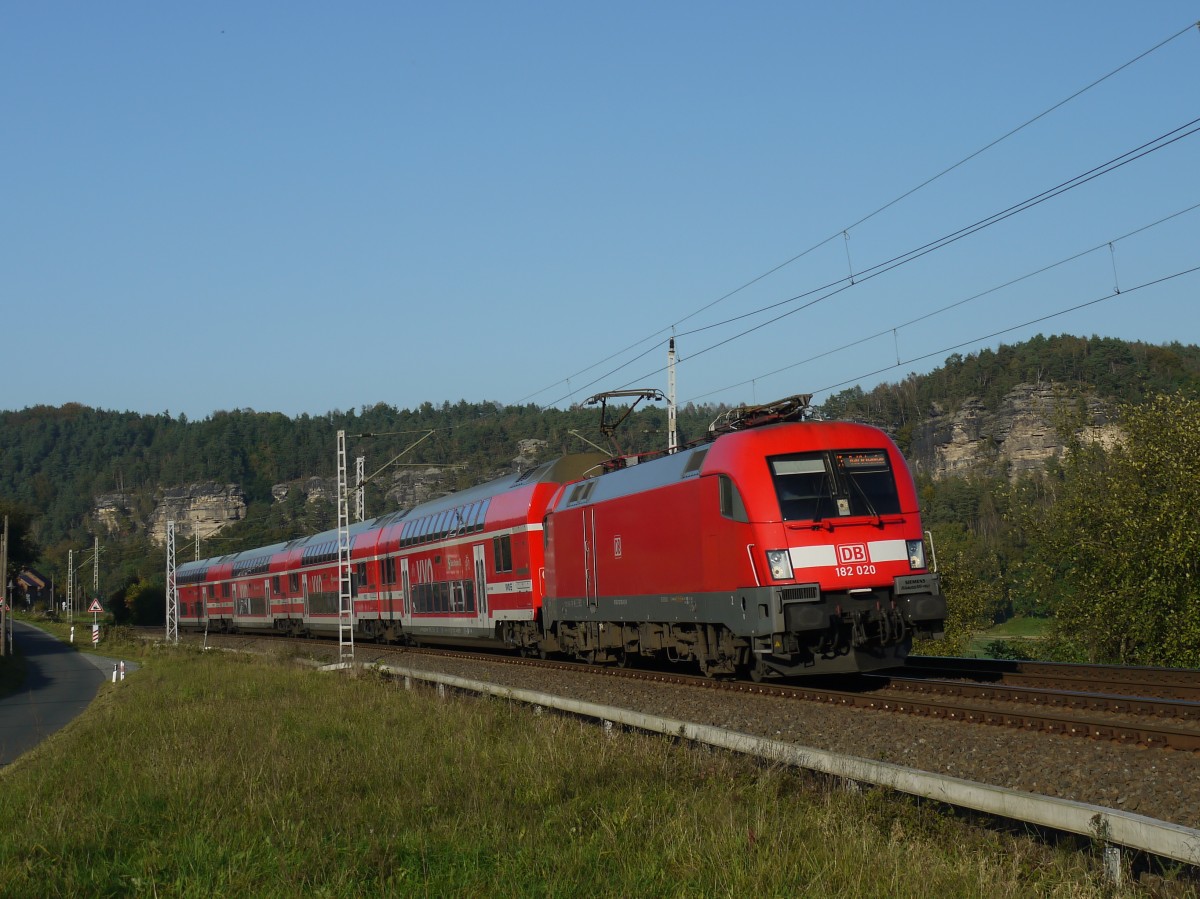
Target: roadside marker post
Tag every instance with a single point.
(96, 609)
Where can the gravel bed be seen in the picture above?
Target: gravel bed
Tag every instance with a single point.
(1158, 783)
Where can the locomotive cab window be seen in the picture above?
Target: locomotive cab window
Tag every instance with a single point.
(838, 484)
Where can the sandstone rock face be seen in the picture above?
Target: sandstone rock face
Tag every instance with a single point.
(529, 453)
(1021, 436)
(317, 490)
(198, 510)
(413, 486)
(113, 512)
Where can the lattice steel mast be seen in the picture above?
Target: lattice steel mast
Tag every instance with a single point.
(345, 597)
(172, 587)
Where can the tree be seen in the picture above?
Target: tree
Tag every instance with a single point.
(141, 603)
(1121, 545)
(23, 550)
(973, 584)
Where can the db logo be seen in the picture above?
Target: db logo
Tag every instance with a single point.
(849, 553)
(617, 546)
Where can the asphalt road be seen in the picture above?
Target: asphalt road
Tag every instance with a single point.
(59, 684)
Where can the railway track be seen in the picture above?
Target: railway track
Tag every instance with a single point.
(971, 692)
(1166, 683)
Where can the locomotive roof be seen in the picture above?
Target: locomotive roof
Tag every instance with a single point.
(688, 462)
(562, 470)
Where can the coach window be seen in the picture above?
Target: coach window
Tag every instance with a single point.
(225, 590)
(293, 583)
(502, 553)
(275, 585)
(389, 570)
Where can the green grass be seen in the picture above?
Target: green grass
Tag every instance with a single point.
(1021, 632)
(1020, 627)
(220, 774)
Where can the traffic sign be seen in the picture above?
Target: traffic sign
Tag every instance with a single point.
(95, 608)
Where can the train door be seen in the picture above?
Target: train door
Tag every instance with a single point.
(406, 599)
(589, 555)
(481, 597)
(388, 585)
(304, 583)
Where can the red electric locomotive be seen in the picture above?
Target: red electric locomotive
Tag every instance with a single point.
(776, 545)
(782, 545)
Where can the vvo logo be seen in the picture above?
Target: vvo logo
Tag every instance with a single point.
(850, 553)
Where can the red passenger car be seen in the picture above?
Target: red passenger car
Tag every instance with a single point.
(464, 567)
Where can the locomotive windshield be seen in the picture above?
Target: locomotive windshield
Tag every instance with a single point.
(834, 484)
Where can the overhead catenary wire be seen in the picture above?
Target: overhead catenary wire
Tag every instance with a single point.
(846, 228)
(1025, 324)
(833, 288)
(954, 305)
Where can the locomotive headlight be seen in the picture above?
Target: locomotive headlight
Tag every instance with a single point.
(780, 563)
(916, 554)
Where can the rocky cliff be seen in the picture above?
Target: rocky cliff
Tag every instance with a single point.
(1020, 436)
(203, 509)
(198, 510)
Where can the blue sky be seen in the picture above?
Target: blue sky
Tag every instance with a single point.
(302, 207)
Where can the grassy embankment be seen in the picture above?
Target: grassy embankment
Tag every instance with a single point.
(218, 774)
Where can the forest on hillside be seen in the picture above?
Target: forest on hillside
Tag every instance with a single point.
(992, 534)
(1116, 370)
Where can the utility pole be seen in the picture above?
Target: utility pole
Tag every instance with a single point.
(172, 588)
(345, 593)
(5, 592)
(70, 586)
(360, 490)
(672, 435)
